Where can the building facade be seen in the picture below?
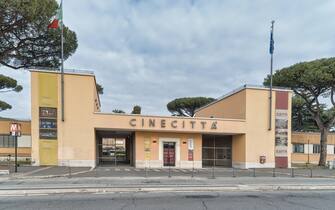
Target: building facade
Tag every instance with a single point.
(231, 131)
(7, 143)
(306, 147)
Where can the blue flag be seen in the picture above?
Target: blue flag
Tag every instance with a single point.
(272, 42)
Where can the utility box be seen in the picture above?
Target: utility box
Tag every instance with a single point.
(262, 159)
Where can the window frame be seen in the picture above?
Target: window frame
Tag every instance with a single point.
(298, 145)
(316, 148)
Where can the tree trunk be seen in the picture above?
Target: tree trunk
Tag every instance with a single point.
(323, 145)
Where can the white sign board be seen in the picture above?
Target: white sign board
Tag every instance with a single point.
(190, 144)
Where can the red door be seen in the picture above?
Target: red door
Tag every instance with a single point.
(169, 149)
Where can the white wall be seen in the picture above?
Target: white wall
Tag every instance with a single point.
(330, 149)
(24, 141)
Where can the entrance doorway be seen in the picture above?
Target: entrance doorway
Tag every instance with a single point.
(216, 151)
(115, 148)
(169, 153)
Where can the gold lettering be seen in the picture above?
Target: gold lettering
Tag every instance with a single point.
(192, 124)
(132, 122)
(174, 124)
(151, 122)
(203, 123)
(163, 123)
(214, 126)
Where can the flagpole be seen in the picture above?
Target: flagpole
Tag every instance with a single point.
(62, 61)
(271, 73)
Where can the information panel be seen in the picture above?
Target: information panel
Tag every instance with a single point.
(281, 132)
(48, 123)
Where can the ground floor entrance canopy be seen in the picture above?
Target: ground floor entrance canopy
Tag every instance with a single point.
(158, 141)
(169, 124)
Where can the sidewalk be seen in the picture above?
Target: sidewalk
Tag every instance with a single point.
(51, 172)
(50, 180)
(62, 185)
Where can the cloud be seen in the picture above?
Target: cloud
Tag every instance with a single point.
(149, 52)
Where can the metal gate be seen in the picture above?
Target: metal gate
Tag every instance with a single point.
(216, 150)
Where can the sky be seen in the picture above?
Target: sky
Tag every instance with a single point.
(149, 52)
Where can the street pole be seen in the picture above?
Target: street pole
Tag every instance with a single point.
(62, 65)
(271, 72)
(15, 139)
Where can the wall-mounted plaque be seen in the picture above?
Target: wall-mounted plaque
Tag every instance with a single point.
(48, 112)
(48, 123)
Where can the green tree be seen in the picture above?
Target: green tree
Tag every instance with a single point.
(136, 110)
(100, 89)
(119, 111)
(314, 82)
(302, 119)
(187, 106)
(7, 84)
(26, 41)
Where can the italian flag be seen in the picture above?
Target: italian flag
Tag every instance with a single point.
(57, 19)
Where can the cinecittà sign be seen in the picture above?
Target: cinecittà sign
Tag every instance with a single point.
(163, 123)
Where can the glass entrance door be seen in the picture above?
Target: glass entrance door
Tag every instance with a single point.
(114, 151)
(169, 152)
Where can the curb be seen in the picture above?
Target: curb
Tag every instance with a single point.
(23, 192)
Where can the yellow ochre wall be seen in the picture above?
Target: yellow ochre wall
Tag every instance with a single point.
(233, 107)
(44, 94)
(155, 137)
(75, 143)
(5, 126)
(310, 138)
(251, 104)
(259, 140)
(5, 130)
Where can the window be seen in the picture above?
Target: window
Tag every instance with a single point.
(7, 141)
(316, 148)
(298, 148)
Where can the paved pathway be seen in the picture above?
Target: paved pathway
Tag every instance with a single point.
(30, 171)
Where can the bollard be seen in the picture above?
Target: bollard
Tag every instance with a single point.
(169, 171)
(69, 171)
(8, 162)
(254, 172)
(311, 174)
(234, 175)
(274, 172)
(292, 172)
(213, 173)
(146, 172)
(192, 172)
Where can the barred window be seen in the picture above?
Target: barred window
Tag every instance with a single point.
(316, 148)
(7, 141)
(298, 148)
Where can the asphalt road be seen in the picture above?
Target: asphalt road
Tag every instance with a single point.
(194, 201)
